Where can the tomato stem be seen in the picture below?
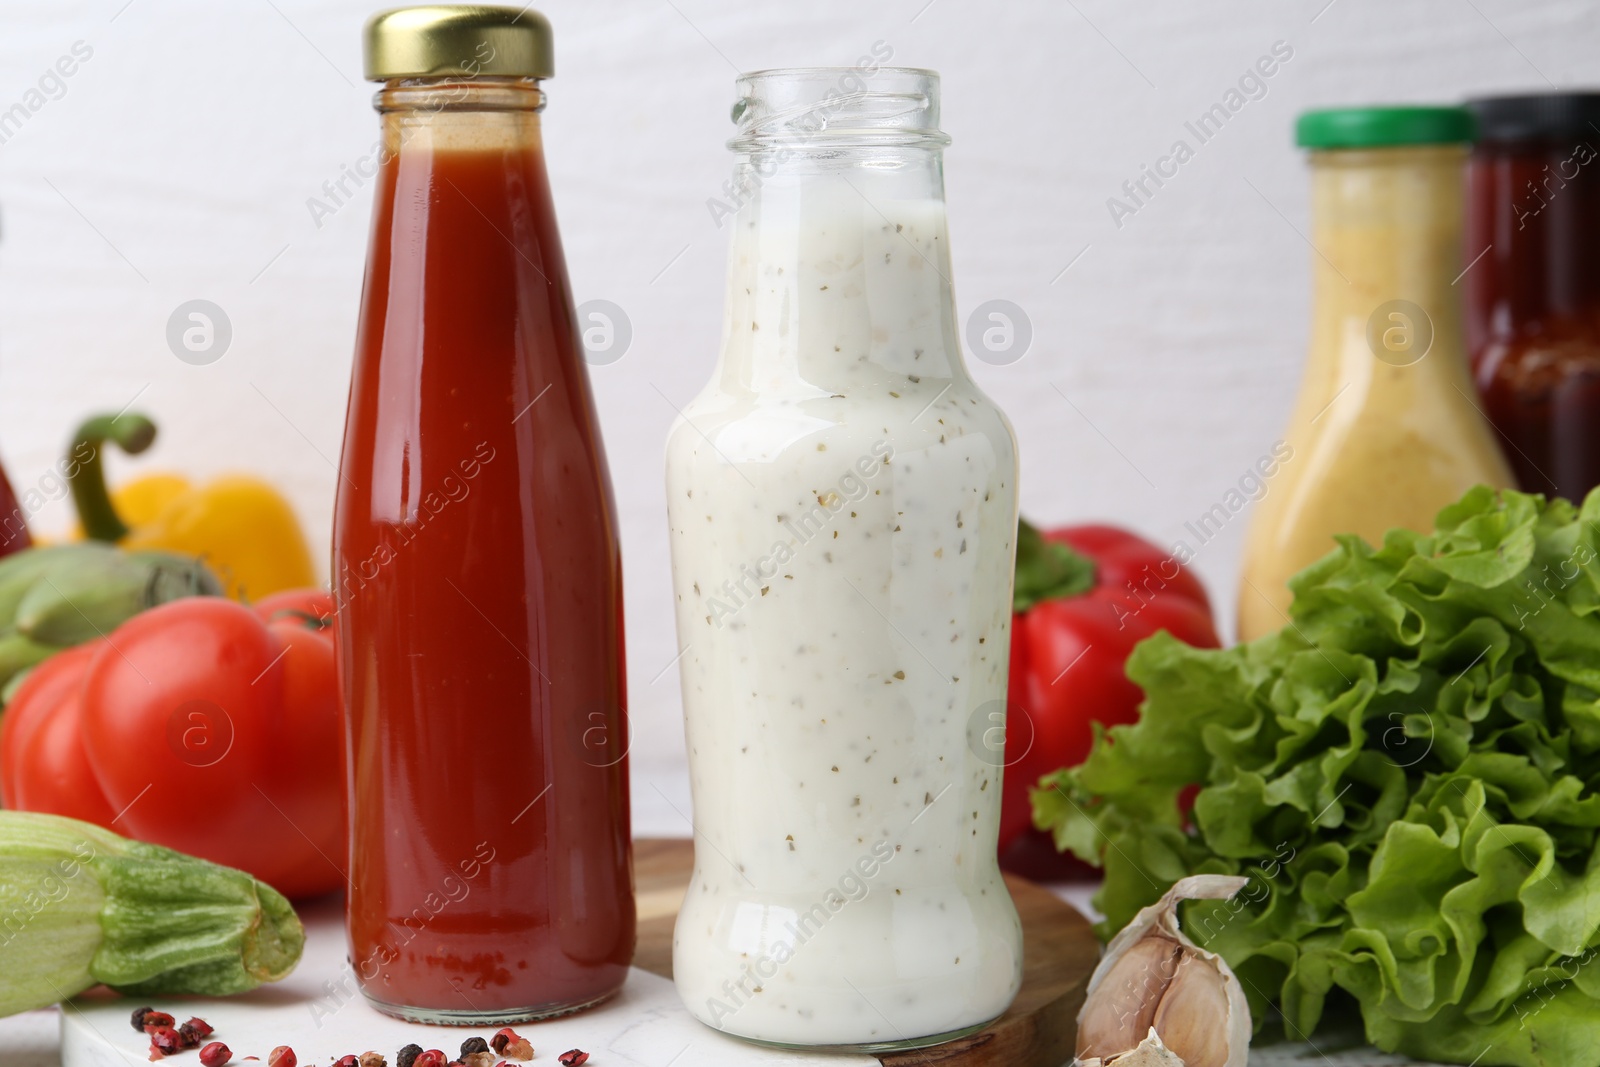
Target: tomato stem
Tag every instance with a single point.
(307, 619)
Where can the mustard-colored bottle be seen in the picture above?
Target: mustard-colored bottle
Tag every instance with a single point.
(1387, 428)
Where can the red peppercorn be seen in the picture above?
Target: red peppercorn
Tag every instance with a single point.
(164, 1040)
(153, 1019)
(194, 1036)
(346, 1061)
(215, 1054)
(431, 1058)
(573, 1058)
(513, 1046)
(282, 1056)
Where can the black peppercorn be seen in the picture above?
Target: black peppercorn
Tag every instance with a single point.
(408, 1055)
(473, 1044)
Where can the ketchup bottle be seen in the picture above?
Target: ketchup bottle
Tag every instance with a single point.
(1533, 298)
(476, 564)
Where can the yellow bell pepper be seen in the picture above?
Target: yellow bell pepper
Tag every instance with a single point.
(241, 527)
(142, 500)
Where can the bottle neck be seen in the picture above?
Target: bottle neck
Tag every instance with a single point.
(1386, 226)
(459, 114)
(1536, 208)
(839, 271)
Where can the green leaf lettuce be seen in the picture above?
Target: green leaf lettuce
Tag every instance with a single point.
(1408, 772)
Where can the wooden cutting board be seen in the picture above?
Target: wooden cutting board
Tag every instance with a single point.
(1059, 952)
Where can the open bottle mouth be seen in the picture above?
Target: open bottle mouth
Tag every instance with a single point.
(833, 107)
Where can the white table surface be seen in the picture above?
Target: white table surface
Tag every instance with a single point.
(33, 1039)
(644, 1025)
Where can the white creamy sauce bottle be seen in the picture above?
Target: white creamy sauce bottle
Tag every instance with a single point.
(843, 510)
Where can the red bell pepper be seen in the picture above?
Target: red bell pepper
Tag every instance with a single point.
(1085, 595)
(202, 725)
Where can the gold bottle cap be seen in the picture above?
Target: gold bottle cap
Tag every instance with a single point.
(465, 40)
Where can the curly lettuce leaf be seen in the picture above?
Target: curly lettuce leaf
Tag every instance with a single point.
(1409, 776)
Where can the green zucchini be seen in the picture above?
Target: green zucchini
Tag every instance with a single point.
(81, 906)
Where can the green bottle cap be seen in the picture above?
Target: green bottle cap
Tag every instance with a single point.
(1383, 127)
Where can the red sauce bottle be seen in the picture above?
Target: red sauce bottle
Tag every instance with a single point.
(475, 559)
(1533, 298)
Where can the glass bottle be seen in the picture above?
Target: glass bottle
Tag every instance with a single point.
(476, 563)
(842, 502)
(1386, 430)
(1533, 298)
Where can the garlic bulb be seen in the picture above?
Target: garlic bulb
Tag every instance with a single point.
(1159, 1000)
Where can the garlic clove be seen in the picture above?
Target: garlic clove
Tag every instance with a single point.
(1149, 1053)
(1157, 999)
(1132, 989)
(1190, 1016)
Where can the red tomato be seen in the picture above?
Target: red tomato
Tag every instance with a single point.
(201, 725)
(221, 736)
(312, 607)
(307, 783)
(177, 716)
(42, 763)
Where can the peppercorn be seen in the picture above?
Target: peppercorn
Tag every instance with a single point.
(573, 1058)
(153, 1019)
(164, 1040)
(407, 1056)
(513, 1046)
(375, 1059)
(282, 1056)
(194, 1033)
(431, 1058)
(473, 1044)
(215, 1054)
(138, 1018)
(345, 1061)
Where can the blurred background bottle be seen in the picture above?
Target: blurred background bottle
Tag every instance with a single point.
(1387, 428)
(1533, 296)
